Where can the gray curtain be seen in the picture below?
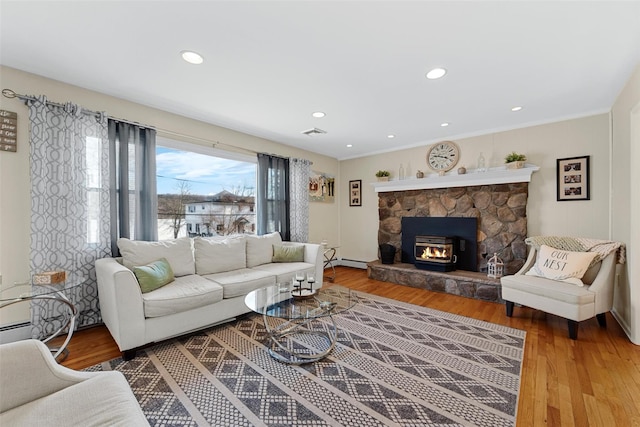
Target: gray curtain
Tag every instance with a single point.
(69, 206)
(273, 195)
(134, 203)
(299, 172)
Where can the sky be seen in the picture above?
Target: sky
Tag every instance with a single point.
(206, 175)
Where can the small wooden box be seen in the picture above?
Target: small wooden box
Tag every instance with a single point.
(49, 277)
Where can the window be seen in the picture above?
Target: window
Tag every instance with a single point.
(202, 191)
(93, 187)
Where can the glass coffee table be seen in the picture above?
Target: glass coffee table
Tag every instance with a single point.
(295, 326)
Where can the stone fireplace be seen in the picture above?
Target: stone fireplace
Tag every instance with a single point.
(495, 201)
(500, 210)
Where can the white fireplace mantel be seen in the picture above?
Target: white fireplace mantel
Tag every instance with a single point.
(499, 175)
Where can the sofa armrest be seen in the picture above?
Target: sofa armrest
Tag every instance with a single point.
(29, 372)
(121, 303)
(531, 260)
(314, 255)
(603, 284)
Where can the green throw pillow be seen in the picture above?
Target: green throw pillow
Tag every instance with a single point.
(154, 276)
(288, 253)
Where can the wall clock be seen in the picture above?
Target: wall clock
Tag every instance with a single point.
(443, 156)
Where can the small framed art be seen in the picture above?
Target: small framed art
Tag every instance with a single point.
(355, 192)
(573, 178)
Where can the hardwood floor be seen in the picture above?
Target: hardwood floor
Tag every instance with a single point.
(594, 381)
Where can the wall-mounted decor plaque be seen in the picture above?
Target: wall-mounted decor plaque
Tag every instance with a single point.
(8, 131)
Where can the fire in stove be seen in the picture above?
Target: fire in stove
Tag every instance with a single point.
(431, 252)
(435, 253)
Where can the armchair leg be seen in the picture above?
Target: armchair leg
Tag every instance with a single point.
(509, 306)
(602, 320)
(573, 329)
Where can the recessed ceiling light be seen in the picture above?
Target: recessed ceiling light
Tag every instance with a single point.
(444, 125)
(349, 145)
(516, 108)
(192, 57)
(436, 73)
(318, 114)
(391, 136)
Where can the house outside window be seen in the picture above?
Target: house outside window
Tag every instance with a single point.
(203, 191)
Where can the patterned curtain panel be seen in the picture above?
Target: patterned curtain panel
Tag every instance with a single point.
(299, 172)
(69, 206)
(273, 195)
(134, 204)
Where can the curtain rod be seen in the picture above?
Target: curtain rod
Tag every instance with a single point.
(8, 93)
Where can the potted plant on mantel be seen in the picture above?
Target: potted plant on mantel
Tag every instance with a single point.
(514, 160)
(383, 175)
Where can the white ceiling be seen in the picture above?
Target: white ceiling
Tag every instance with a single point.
(270, 64)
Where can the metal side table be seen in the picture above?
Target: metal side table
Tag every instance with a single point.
(329, 259)
(56, 293)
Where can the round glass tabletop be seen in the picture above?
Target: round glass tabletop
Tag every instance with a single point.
(281, 302)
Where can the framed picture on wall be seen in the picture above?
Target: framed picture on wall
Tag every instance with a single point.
(572, 179)
(355, 192)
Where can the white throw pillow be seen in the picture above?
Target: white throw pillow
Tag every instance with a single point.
(565, 266)
(217, 256)
(178, 252)
(260, 248)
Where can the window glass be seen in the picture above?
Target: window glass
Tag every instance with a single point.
(202, 194)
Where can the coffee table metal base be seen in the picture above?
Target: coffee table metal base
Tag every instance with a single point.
(313, 344)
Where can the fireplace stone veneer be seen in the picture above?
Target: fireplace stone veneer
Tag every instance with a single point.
(500, 209)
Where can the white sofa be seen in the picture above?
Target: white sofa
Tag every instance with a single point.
(212, 277)
(36, 391)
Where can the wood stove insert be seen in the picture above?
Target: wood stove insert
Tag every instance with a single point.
(435, 253)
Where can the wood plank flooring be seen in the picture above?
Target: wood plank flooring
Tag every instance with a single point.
(594, 381)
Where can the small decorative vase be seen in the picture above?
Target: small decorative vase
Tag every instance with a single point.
(419, 174)
(462, 170)
(518, 164)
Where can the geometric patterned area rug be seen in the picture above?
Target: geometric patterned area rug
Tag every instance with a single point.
(395, 364)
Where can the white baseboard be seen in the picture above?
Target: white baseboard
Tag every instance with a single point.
(625, 327)
(15, 332)
(353, 263)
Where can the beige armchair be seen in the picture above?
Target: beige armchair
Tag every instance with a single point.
(562, 299)
(35, 390)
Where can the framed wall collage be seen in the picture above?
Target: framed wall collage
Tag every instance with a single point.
(572, 179)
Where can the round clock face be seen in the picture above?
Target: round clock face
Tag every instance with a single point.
(443, 156)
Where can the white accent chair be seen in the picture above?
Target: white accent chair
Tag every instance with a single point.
(566, 300)
(35, 390)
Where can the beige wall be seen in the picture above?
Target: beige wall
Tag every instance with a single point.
(542, 144)
(14, 167)
(355, 228)
(626, 202)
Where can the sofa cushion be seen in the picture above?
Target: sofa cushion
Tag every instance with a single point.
(182, 294)
(104, 400)
(288, 253)
(566, 266)
(215, 255)
(178, 252)
(285, 271)
(153, 276)
(241, 282)
(548, 288)
(260, 248)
